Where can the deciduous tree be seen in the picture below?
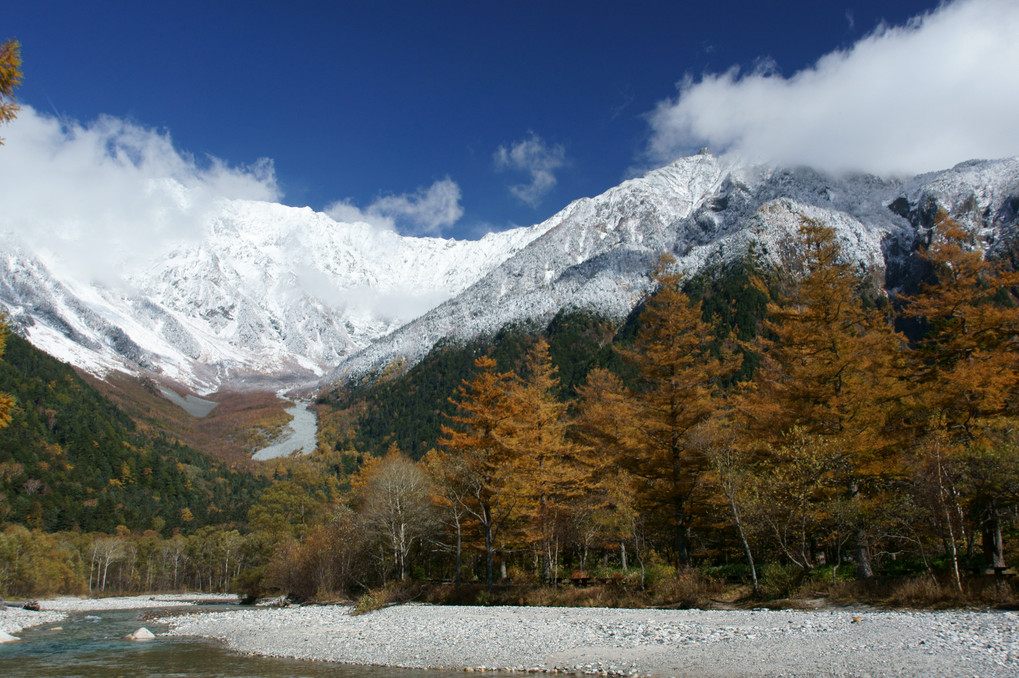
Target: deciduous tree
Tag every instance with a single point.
(392, 498)
(452, 484)
(677, 388)
(10, 77)
(606, 429)
(831, 368)
(481, 410)
(546, 479)
(731, 459)
(966, 364)
(6, 401)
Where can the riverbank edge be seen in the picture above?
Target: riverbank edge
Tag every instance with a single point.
(14, 618)
(606, 641)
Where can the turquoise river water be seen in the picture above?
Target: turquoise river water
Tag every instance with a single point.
(93, 646)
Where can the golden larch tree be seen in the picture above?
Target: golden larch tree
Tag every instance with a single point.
(967, 361)
(546, 477)
(677, 387)
(966, 367)
(10, 77)
(604, 426)
(482, 408)
(6, 400)
(831, 368)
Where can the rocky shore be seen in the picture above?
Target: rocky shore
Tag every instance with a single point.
(70, 604)
(14, 619)
(830, 642)
(628, 642)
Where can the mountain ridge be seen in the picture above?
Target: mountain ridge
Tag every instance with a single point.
(275, 297)
(272, 295)
(719, 209)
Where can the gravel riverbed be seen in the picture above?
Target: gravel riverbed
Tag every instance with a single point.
(831, 642)
(71, 604)
(628, 642)
(13, 619)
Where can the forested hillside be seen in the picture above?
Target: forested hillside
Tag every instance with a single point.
(410, 407)
(773, 430)
(70, 460)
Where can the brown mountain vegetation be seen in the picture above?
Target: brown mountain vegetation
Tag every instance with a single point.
(241, 423)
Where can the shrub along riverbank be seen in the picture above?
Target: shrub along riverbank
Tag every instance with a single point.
(781, 589)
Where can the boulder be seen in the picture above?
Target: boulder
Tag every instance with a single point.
(142, 634)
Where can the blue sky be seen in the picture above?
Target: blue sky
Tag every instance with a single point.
(456, 118)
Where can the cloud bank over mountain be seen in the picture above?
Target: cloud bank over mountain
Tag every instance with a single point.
(104, 198)
(905, 99)
(426, 212)
(102, 195)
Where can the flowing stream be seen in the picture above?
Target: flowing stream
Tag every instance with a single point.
(93, 646)
(301, 434)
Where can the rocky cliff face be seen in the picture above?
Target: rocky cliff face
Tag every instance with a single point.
(275, 296)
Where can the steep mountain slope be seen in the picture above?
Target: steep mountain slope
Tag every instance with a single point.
(274, 296)
(70, 459)
(596, 254)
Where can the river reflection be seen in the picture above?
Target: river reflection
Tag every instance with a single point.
(93, 645)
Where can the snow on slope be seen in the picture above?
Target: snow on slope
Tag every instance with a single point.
(598, 252)
(983, 195)
(271, 291)
(274, 296)
(572, 264)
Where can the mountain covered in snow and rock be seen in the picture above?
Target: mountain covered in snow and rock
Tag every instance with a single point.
(272, 295)
(597, 253)
(276, 296)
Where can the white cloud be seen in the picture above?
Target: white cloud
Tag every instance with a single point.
(942, 89)
(104, 195)
(346, 212)
(425, 212)
(533, 156)
(429, 210)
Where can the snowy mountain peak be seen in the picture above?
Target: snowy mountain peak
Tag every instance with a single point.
(598, 252)
(269, 291)
(268, 295)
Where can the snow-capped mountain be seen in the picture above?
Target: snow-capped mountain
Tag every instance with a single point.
(597, 253)
(273, 295)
